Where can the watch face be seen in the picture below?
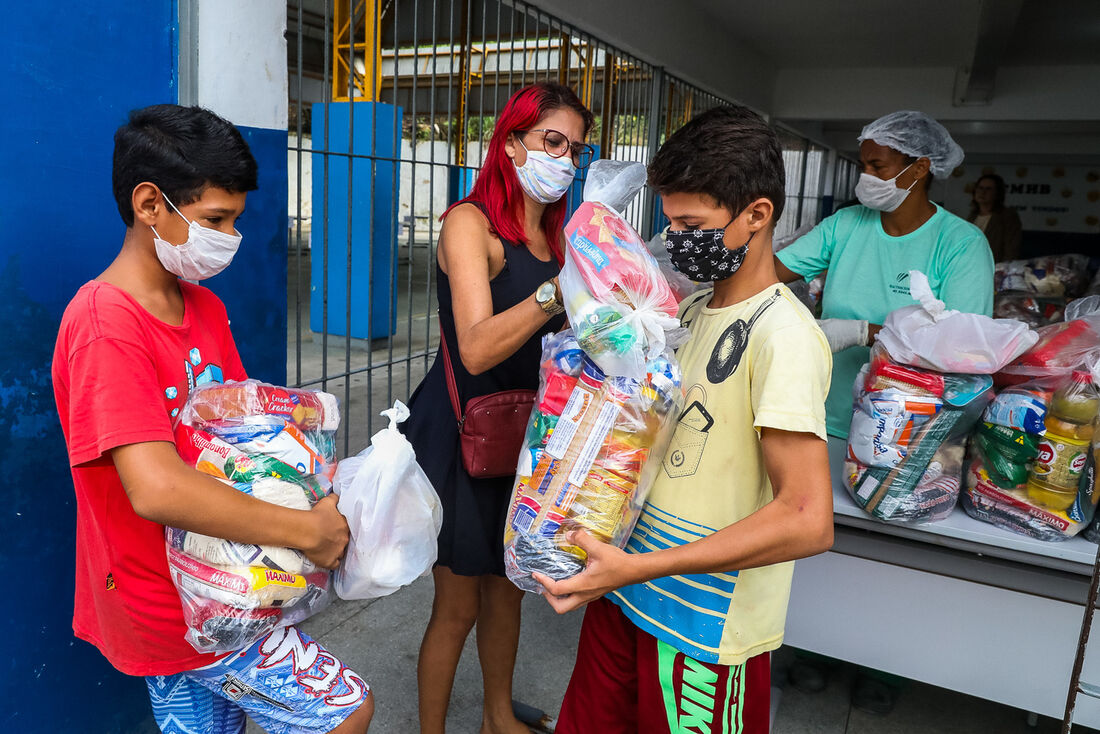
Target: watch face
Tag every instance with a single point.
(545, 292)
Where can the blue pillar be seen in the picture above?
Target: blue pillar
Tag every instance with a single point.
(358, 207)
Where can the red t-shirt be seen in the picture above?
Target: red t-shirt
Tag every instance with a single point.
(120, 375)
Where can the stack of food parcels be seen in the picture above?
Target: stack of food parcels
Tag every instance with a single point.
(1032, 458)
(925, 387)
(609, 394)
(1036, 291)
(276, 444)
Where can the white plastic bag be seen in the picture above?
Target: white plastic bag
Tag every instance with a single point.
(393, 512)
(933, 337)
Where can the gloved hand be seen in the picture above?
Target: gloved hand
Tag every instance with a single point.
(844, 333)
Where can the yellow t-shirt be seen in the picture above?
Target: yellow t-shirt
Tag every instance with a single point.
(760, 363)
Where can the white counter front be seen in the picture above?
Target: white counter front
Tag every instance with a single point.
(960, 604)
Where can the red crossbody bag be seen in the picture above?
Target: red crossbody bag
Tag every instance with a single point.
(491, 428)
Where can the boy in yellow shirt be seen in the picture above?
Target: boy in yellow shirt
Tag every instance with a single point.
(699, 597)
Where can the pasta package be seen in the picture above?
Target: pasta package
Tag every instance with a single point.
(593, 446)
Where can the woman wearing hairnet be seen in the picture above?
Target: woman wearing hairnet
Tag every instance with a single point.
(868, 251)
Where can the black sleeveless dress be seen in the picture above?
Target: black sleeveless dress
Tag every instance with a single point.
(471, 542)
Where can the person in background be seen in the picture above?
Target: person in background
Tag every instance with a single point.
(868, 251)
(499, 254)
(1000, 224)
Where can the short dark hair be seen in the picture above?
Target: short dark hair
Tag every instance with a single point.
(183, 150)
(728, 153)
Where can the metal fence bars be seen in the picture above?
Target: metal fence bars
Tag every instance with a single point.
(392, 103)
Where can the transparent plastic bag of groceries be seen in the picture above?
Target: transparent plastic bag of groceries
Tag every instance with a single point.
(1058, 276)
(1059, 350)
(593, 447)
(620, 306)
(1033, 310)
(393, 512)
(931, 336)
(908, 437)
(1003, 446)
(276, 444)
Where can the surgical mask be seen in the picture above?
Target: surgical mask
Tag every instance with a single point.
(543, 177)
(885, 196)
(206, 252)
(701, 254)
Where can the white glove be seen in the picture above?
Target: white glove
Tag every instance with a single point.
(844, 333)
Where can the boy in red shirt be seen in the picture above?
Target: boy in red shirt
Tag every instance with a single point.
(132, 345)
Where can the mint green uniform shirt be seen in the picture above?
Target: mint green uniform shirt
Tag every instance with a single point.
(868, 277)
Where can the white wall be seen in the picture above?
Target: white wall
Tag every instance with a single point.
(242, 70)
(1021, 93)
(688, 41)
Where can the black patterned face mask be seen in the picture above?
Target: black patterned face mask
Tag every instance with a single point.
(702, 255)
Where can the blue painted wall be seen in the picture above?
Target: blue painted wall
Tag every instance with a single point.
(69, 79)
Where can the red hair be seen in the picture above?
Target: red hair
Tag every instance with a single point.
(497, 189)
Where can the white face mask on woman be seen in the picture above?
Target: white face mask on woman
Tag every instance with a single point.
(543, 177)
(885, 196)
(206, 252)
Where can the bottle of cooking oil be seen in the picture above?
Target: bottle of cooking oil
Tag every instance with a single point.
(1064, 449)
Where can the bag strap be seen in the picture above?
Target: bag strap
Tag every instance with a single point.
(452, 387)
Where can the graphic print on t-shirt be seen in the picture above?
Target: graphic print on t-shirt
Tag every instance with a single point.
(211, 373)
(900, 286)
(686, 448)
(730, 347)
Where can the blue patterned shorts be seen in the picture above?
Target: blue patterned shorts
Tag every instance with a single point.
(286, 682)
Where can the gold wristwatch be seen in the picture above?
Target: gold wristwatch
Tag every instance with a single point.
(547, 297)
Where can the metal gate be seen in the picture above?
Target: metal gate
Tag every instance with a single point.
(391, 105)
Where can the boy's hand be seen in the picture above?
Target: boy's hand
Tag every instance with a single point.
(608, 569)
(330, 534)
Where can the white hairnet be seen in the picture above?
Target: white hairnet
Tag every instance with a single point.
(918, 135)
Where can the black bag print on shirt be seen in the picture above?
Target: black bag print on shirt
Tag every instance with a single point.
(730, 347)
(686, 449)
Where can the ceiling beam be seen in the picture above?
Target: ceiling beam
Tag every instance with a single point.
(996, 23)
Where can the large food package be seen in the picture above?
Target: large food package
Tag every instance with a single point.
(609, 395)
(908, 439)
(593, 446)
(1053, 276)
(275, 444)
(925, 387)
(1060, 349)
(1032, 458)
(1033, 310)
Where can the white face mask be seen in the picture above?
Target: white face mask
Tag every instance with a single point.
(885, 196)
(206, 252)
(544, 178)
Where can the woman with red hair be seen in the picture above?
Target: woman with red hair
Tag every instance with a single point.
(499, 254)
